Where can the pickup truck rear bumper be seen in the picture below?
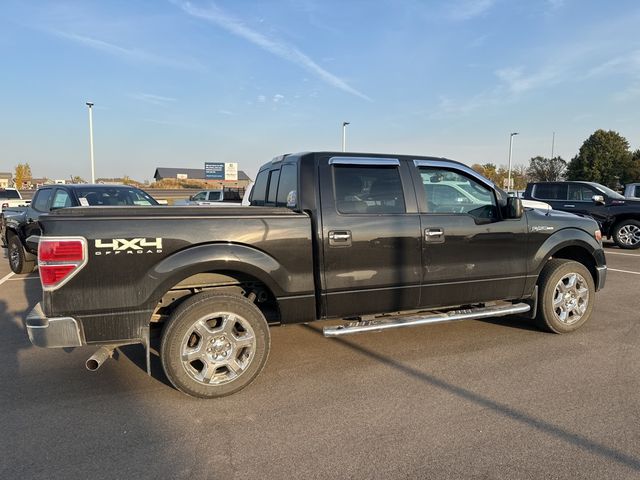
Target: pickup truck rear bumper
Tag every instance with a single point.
(56, 332)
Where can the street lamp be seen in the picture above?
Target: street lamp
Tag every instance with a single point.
(344, 136)
(93, 167)
(513, 134)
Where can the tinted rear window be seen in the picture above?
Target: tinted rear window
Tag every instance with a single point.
(258, 193)
(287, 190)
(9, 195)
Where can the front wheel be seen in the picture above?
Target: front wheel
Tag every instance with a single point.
(626, 234)
(566, 292)
(214, 344)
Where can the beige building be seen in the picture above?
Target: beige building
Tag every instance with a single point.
(6, 180)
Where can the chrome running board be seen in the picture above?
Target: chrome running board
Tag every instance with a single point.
(386, 323)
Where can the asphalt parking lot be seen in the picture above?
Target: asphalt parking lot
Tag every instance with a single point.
(475, 399)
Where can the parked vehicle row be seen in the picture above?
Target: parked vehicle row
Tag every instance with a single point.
(374, 241)
(618, 216)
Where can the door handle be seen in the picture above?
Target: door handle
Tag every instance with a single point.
(570, 206)
(434, 235)
(340, 238)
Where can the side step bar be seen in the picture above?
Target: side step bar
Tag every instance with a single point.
(386, 323)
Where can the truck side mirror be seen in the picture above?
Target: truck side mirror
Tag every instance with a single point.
(598, 199)
(514, 208)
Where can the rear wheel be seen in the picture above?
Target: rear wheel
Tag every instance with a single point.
(566, 292)
(626, 234)
(19, 260)
(214, 344)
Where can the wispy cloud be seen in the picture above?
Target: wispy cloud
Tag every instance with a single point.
(468, 9)
(288, 52)
(129, 54)
(518, 81)
(153, 99)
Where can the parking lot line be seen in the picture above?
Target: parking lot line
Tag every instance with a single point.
(607, 252)
(17, 279)
(6, 277)
(622, 271)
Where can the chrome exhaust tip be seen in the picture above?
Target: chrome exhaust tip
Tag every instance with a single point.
(95, 361)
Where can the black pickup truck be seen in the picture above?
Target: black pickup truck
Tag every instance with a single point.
(618, 217)
(18, 224)
(375, 241)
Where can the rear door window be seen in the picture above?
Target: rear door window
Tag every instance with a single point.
(41, 202)
(368, 189)
(550, 191)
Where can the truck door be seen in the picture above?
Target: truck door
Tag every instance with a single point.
(370, 236)
(41, 203)
(469, 254)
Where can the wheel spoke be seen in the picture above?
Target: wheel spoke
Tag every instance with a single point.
(202, 329)
(571, 281)
(208, 371)
(235, 367)
(228, 324)
(191, 354)
(246, 340)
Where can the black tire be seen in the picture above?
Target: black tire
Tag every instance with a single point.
(549, 312)
(19, 260)
(206, 312)
(626, 234)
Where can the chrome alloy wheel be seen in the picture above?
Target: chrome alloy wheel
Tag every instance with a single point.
(629, 235)
(570, 298)
(218, 348)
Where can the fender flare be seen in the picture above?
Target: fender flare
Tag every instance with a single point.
(223, 257)
(567, 237)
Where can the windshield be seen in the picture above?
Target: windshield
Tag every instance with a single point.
(116, 196)
(608, 192)
(9, 195)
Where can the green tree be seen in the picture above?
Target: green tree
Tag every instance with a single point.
(542, 169)
(22, 174)
(604, 158)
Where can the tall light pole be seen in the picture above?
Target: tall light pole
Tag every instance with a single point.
(93, 165)
(513, 134)
(553, 144)
(344, 136)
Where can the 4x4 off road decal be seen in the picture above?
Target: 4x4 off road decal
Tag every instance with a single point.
(129, 246)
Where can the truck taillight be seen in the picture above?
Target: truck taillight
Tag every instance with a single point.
(59, 259)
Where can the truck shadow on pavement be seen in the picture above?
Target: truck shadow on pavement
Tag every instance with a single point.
(497, 407)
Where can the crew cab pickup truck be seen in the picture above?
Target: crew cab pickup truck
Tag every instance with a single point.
(371, 241)
(618, 217)
(10, 198)
(20, 227)
(217, 198)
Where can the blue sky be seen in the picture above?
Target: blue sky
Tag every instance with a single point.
(178, 83)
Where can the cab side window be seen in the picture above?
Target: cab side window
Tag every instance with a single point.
(580, 193)
(41, 202)
(288, 187)
(550, 191)
(368, 189)
(451, 192)
(61, 200)
(272, 191)
(200, 197)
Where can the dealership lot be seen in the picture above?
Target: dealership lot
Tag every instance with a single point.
(479, 399)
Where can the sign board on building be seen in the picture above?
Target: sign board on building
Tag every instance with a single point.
(231, 171)
(221, 171)
(182, 176)
(214, 171)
